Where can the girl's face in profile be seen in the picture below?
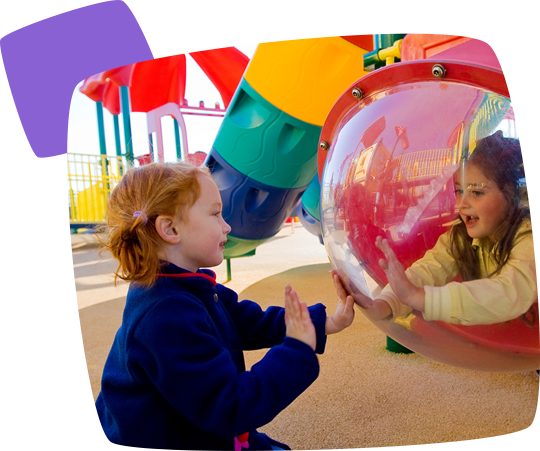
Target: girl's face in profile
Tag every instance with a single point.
(204, 234)
(480, 203)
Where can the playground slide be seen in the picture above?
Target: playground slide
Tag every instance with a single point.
(264, 157)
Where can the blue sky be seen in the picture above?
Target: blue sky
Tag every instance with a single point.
(201, 130)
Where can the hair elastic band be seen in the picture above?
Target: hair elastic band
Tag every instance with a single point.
(142, 215)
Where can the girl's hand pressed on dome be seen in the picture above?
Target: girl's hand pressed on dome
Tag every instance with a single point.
(344, 315)
(407, 293)
(297, 319)
(377, 308)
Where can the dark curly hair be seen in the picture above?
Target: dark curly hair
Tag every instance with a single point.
(500, 160)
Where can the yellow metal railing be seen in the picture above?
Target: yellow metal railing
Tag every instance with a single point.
(422, 164)
(91, 179)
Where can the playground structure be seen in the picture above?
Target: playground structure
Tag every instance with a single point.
(157, 88)
(287, 110)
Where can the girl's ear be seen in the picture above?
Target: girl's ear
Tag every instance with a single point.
(168, 229)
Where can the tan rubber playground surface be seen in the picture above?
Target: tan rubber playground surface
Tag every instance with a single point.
(365, 396)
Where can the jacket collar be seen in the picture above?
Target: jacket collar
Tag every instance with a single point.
(170, 270)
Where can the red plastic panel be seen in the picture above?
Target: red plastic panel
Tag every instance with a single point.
(93, 87)
(450, 345)
(144, 159)
(119, 75)
(99, 90)
(198, 158)
(111, 98)
(157, 82)
(223, 63)
(520, 334)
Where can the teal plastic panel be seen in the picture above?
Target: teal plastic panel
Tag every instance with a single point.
(311, 197)
(238, 247)
(266, 144)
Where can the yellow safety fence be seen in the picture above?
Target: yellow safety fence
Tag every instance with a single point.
(91, 179)
(422, 164)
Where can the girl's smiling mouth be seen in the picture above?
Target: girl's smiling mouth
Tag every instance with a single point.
(469, 221)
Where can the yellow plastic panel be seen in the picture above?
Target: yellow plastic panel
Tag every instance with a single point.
(305, 77)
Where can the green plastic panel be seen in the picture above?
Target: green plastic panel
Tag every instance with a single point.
(238, 247)
(266, 144)
(312, 197)
(395, 347)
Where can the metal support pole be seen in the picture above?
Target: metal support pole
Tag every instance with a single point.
(103, 150)
(101, 128)
(177, 140)
(151, 145)
(125, 107)
(117, 136)
(118, 145)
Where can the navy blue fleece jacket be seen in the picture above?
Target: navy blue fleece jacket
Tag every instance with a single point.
(175, 377)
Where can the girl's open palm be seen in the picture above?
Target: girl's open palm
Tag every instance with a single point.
(344, 315)
(407, 293)
(377, 309)
(297, 319)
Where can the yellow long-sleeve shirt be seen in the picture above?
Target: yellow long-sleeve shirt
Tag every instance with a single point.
(483, 301)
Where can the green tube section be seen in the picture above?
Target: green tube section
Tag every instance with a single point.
(265, 143)
(239, 247)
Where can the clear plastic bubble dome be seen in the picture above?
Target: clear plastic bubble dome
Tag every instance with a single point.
(393, 152)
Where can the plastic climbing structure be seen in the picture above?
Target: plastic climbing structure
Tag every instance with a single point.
(157, 88)
(268, 156)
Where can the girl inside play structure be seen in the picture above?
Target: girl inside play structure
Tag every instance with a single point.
(175, 377)
(489, 247)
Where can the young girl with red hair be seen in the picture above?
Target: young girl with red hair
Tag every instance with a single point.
(175, 377)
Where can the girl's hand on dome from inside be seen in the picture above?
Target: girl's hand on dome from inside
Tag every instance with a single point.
(402, 287)
(378, 309)
(344, 315)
